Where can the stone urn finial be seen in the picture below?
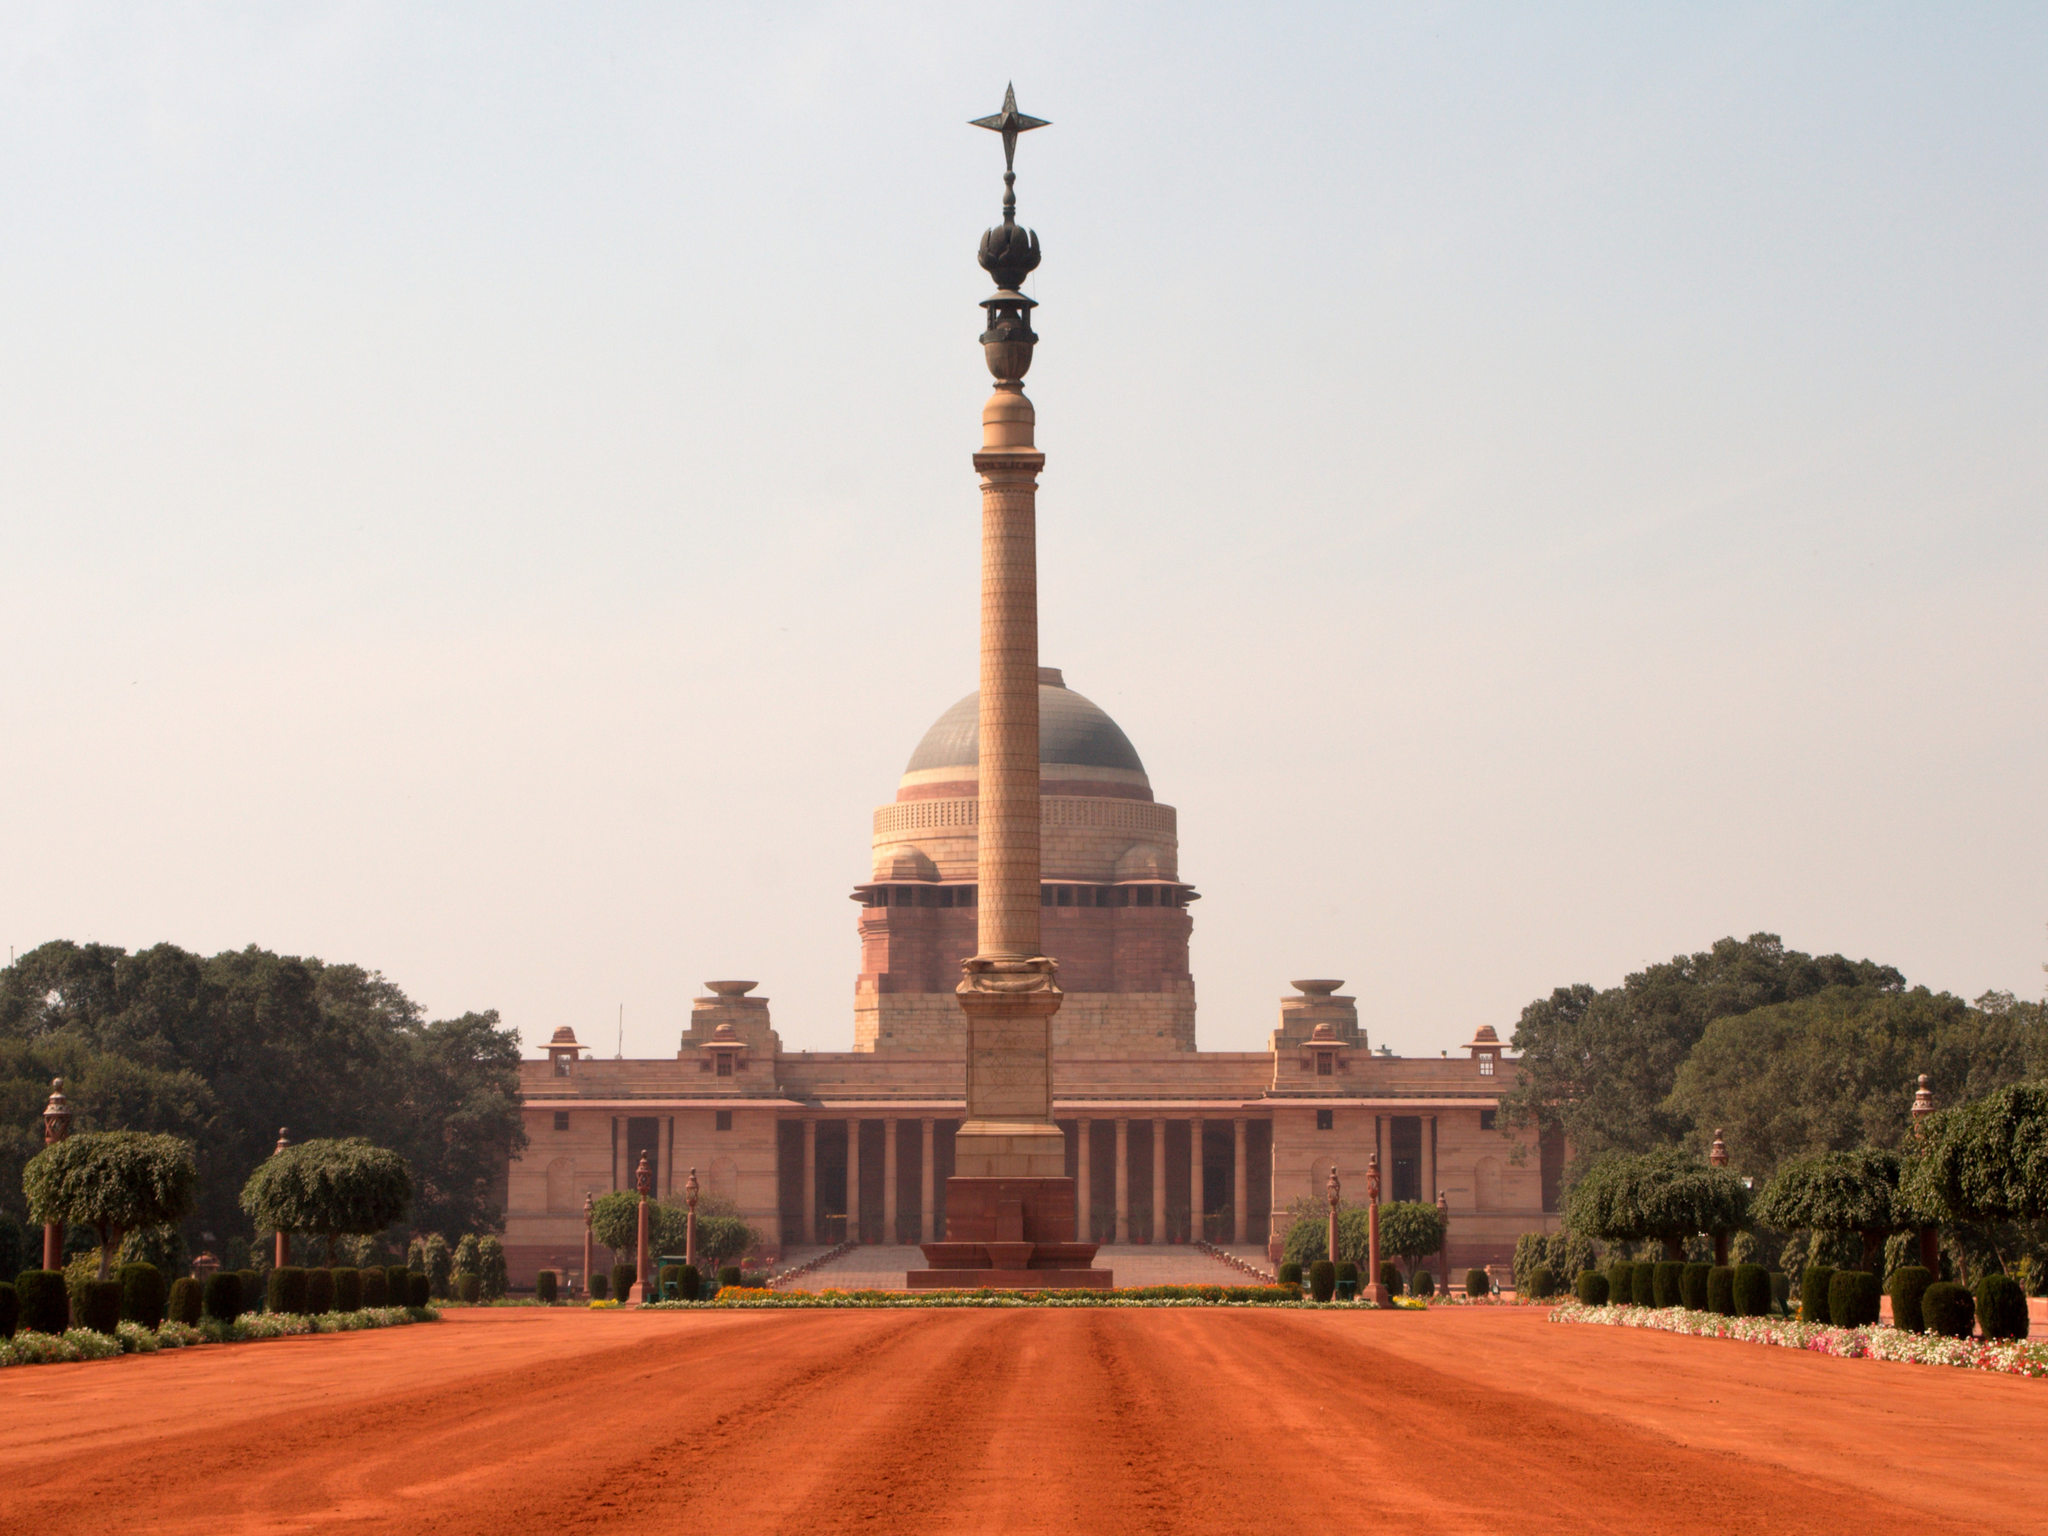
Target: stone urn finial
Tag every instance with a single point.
(1717, 1155)
(56, 1114)
(690, 1190)
(1334, 1190)
(1923, 1106)
(643, 1177)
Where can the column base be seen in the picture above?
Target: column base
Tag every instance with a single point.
(1014, 1233)
(1378, 1295)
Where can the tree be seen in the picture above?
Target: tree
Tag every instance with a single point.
(1600, 1065)
(1856, 1191)
(329, 1187)
(615, 1222)
(1984, 1162)
(1411, 1230)
(112, 1181)
(1664, 1196)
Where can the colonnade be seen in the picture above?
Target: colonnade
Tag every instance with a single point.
(1240, 1181)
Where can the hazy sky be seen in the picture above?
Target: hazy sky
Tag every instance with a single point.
(487, 491)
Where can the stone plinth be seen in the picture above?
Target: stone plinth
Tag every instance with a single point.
(1010, 1234)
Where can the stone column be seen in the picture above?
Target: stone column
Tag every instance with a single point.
(1083, 1134)
(1240, 1179)
(1158, 1180)
(1123, 1180)
(853, 1181)
(925, 1186)
(1195, 1180)
(889, 1232)
(668, 1156)
(810, 1180)
(1428, 1190)
(618, 1153)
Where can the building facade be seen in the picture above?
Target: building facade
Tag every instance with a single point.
(1167, 1142)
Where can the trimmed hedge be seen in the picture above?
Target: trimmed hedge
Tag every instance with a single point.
(1322, 1280)
(224, 1296)
(1290, 1273)
(469, 1289)
(692, 1283)
(1908, 1284)
(1692, 1286)
(1348, 1271)
(45, 1304)
(287, 1289)
(2001, 1307)
(348, 1290)
(1621, 1283)
(623, 1276)
(1591, 1286)
(1948, 1308)
(1853, 1298)
(1721, 1289)
(1425, 1283)
(1543, 1283)
(397, 1285)
(1666, 1277)
(10, 1309)
(143, 1294)
(187, 1301)
(1478, 1283)
(1752, 1291)
(1390, 1277)
(600, 1287)
(545, 1287)
(252, 1290)
(373, 1287)
(1814, 1306)
(319, 1290)
(419, 1289)
(99, 1306)
(1642, 1284)
(729, 1275)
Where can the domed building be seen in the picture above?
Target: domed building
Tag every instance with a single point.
(1115, 910)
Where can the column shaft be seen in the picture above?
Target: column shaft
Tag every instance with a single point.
(853, 1181)
(1083, 1134)
(1158, 1181)
(889, 1232)
(1240, 1179)
(1123, 1180)
(810, 1180)
(1007, 859)
(925, 1229)
(1195, 1180)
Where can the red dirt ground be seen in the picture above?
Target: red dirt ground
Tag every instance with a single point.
(1460, 1420)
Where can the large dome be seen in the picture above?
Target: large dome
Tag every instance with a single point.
(1072, 732)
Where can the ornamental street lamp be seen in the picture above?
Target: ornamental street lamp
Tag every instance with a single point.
(643, 1181)
(1332, 1191)
(1443, 1225)
(56, 1126)
(1930, 1237)
(1717, 1157)
(690, 1221)
(589, 1211)
(284, 1241)
(1380, 1295)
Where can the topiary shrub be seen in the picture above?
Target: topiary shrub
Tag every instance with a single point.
(252, 1290)
(1543, 1282)
(468, 1288)
(729, 1275)
(692, 1286)
(1948, 1308)
(1346, 1270)
(372, 1287)
(1592, 1287)
(1322, 1280)
(1908, 1284)
(224, 1296)
(419, 1289)
(397, 1285)
(1753, 1290)
(600, 1287)
(1642, 1283)
(319, 1290)
(1692, 1286)
(99, 1307)
(1478, 1282)
(188, 1302)
(1390, 1277)
(1814, 1306)
(2001, 1307)
(143, 1294)
(1853, 1298)
(1424, 1284)
(287, 1289)
(348, 1290)
(10, 1309)
(544, 1287)
(1621, 1283)
(623, 1276)
(1721, 1290)
(1289, 1273)
(1665, 1279)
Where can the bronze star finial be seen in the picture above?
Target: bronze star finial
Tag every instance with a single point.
(1009, 123)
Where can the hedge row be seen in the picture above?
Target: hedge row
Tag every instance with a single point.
(1738, 1290)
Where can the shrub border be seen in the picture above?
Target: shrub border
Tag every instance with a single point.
(77, 1344)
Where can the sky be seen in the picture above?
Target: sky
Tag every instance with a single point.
(485, 491)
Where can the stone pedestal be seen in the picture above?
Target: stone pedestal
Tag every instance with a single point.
(1011, 1234)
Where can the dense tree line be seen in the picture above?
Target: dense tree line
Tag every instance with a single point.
(222, 1050)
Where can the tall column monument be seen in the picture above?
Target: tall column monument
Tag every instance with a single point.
(1010, 1208)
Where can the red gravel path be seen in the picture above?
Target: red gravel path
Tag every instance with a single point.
(1100, 1421)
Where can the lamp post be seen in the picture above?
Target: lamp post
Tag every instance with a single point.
(1930, 1237)
(1443, 1252)
(690, 1220)
(56, 1126)
(1717, 1157)
(284, 1241)
(1378, 1293)
(589, 1212)
(1332, 1192)
(643, 1180)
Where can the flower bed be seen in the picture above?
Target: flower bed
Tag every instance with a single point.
(2011, 1357)
(762, 1299)
(27, 1348)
